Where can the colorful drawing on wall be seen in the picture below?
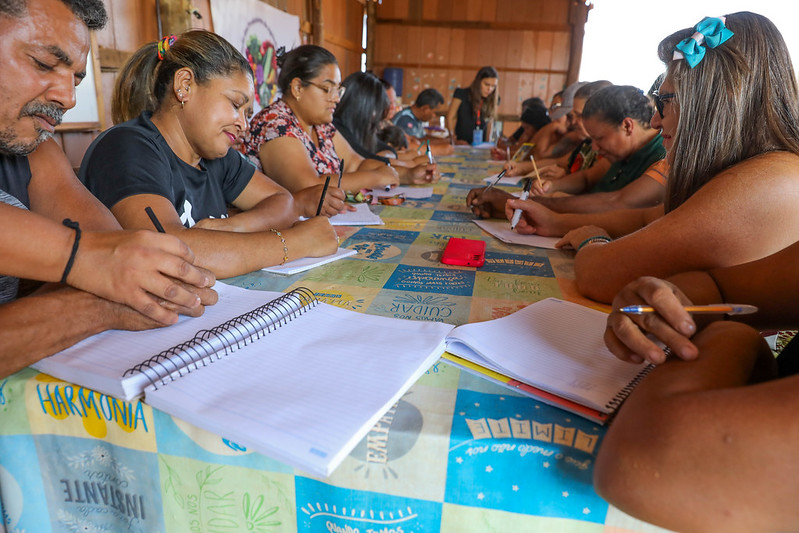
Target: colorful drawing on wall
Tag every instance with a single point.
(258, 30)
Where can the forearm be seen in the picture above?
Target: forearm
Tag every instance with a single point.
(694, 428)
(617, 223)
(40, 325)
(36, 247)
(277, 211)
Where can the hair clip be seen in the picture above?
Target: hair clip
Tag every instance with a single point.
(710, 32)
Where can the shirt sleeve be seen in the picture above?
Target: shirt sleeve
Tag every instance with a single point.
(658, 171)
(124, 162)
(237, 173)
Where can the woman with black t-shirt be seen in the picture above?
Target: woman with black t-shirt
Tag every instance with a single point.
(474, 108)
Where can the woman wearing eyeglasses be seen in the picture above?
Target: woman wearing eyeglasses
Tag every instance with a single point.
(292, 139)
(174, 165)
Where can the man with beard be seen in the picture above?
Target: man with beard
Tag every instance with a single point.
(54, 230)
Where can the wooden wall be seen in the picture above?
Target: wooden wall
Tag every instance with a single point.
(534, 44)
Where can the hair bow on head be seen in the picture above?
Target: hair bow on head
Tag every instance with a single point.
(164, 44)
(710, 32)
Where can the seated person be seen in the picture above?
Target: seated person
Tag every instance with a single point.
(393, 103)
(110, 279)
(393, 136)
(534, 117)
(179, 161)
(556, 139)
(292, 140)
(617, 119)
(474, 108)
(716, 180)
(414, 118)
(717, 417)
(357, 119)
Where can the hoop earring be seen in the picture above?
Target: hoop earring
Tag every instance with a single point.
(181, 104)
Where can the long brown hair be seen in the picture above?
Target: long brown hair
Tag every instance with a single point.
(738, 102)
(487, 106)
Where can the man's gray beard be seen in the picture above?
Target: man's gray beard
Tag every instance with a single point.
(9, 145)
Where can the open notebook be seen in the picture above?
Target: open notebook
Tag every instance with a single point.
(284, 375)
(552, 350)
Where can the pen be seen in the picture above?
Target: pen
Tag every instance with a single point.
(507, 153)
(156, 223)
(517, 214)
(340, 172)
(322, 199)
(429, 154)
(388, 162)
(499, 177)
(537, 176)
(727, 309)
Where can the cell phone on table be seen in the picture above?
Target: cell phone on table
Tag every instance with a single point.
(464, 252)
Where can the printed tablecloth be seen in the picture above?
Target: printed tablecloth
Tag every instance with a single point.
(455, 454)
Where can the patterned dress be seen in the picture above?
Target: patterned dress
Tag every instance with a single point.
(278, 120)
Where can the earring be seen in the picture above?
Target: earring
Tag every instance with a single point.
(181, 104)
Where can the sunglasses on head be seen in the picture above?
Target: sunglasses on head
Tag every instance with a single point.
(661, 99)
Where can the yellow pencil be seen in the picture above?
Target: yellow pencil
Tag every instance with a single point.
(537, 176)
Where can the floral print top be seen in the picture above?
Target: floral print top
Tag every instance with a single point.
(278, 120)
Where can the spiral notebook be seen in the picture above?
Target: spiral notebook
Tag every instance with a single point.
(295, 379)
(552, 350)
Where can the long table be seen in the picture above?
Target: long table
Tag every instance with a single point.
(456, 453)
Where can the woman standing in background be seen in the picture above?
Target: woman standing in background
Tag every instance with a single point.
(474, 108)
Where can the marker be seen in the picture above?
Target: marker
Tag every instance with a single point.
(725, 309)
(388, 187)
(156, 223)
(517, 214)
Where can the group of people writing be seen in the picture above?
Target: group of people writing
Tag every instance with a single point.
(686, 202)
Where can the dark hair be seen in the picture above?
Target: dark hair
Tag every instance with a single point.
(488, 105)
(587, 91)
(393, 136)
(304, 62)
(91, 12)
(145, 80)
(429, 97)
(614, 103)
(738, 102)
(536, 116)
(534, 101)
(362, 107)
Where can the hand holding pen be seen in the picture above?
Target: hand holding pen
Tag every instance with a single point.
(517, 214)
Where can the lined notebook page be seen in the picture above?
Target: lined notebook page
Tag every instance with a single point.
(554, 345)
(501, 230)
(307, 393)
(99, 361)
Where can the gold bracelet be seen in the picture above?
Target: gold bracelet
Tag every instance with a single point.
(283, 242)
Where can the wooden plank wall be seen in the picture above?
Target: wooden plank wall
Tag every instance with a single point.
(442, 44)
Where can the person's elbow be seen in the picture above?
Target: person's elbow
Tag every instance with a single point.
(592, 279)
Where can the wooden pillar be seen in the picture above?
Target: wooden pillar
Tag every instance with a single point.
(175, 17)
(578, 16)
(370, 34)
(317, 23)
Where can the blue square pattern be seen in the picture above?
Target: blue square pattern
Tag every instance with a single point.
(523, 265)
(432, 280)
(325, 508)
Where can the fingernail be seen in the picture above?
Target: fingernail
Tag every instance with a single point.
(688, 328)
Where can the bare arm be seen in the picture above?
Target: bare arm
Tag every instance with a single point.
(228, 253)
(697, 447)
(42, 324)
(729, 221)
(642, 192)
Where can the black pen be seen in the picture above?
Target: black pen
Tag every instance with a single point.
(340, 172)
(499, 177)
(322, 199)
(156, 223)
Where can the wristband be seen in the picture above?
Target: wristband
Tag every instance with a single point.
(74, 225)
(283, 242)
(595, 238)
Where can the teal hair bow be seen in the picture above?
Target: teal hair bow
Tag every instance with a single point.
(710, 32)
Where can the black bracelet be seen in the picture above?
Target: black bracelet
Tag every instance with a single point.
(74, 225)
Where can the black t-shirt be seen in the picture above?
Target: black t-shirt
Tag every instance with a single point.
(466, 122)
(134, 158)
(359, 148)
(15, 176)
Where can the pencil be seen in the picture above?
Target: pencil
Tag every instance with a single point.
(156, 223)
(537, 176)
(322, 198)
(726, 309)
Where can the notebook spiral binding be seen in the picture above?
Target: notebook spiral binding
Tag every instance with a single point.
(209, 345)
(617, 400)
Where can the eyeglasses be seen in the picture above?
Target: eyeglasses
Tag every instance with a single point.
(661, 99)
(332, 90)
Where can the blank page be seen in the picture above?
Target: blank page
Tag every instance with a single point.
(554, 345)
